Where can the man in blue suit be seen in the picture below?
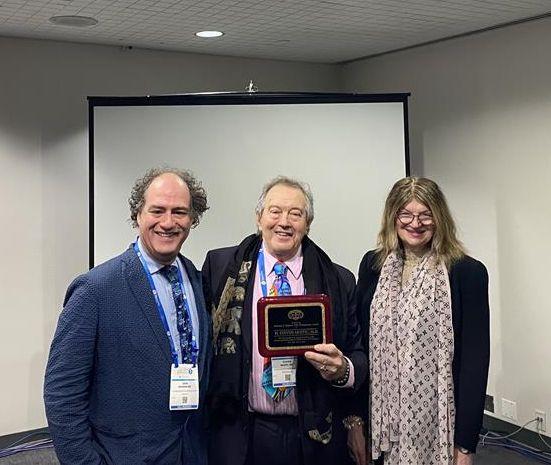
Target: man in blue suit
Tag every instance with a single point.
(128, 366)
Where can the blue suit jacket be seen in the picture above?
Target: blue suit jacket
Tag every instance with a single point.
(107, 381)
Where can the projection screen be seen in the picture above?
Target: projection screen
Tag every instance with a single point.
(350, 149)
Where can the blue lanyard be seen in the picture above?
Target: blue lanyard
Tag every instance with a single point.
(262, 273)
(160, 310)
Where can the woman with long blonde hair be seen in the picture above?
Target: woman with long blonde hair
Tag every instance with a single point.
(424, 307)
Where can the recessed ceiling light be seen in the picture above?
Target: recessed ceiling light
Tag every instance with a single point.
(73, 21)
(209, 34)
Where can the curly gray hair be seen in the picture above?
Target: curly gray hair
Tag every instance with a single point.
(290, 182)
(196, 190)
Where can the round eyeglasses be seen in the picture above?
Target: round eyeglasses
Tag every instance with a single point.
(406, 218)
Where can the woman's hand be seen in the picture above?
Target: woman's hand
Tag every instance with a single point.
(459, 458)
(356, 445)
(328, 360)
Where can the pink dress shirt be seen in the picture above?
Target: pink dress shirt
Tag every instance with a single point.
(259, 401)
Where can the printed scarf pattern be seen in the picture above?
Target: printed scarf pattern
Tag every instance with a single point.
(411, 341)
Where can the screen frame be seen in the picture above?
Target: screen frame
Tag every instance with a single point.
(226, 98)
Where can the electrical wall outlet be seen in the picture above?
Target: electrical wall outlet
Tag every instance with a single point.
(489, 403)
(509, 409)
(541, 423)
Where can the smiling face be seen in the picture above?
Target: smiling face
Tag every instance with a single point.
(282, 222)
(165, 219)
(416, 235)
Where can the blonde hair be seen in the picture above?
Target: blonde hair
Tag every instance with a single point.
(444, 243)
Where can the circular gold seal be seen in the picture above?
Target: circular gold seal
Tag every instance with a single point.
(295, 314)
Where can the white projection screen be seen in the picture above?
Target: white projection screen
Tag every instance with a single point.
(350, 149)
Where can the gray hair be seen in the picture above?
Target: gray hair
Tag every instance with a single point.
(196, 190)
(290, 182)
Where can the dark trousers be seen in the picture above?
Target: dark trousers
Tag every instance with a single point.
(274, 440)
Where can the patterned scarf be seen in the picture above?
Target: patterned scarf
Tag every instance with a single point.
(411, 354)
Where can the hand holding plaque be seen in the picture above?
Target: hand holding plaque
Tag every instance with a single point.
(293, 325)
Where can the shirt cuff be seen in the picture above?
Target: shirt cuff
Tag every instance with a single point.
(350, 382)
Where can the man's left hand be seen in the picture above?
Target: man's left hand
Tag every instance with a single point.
(328, 360)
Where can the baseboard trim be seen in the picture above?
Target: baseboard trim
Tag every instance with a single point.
(34, 434)
(530, 438)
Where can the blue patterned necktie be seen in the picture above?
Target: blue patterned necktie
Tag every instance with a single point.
(170, 272)
(281, 286)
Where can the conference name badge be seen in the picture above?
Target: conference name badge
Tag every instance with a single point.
(284, 371)
(184, 387)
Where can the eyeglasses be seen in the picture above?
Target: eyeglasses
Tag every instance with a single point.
(406, 218)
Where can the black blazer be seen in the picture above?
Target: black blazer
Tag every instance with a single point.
(229, 435)
(471, 329)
